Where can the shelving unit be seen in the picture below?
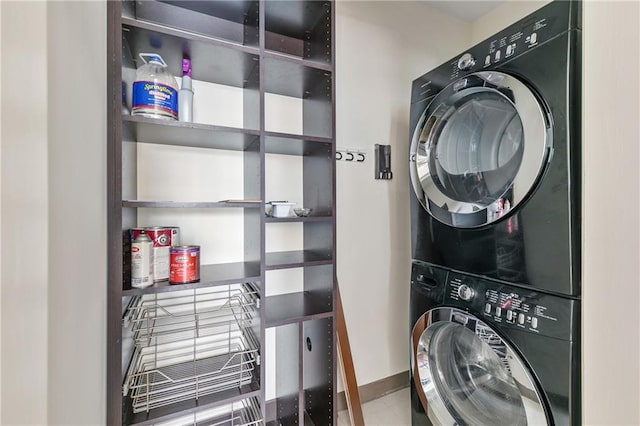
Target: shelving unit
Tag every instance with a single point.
(205, 362)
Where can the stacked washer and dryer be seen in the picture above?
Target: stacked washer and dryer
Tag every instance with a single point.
(495, 215)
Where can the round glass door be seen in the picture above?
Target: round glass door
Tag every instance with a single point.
(479, 149)
(470, 376)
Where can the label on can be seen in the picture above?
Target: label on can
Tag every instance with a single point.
(185, 264)
(175, 235)
(149, 95)
(163, 239)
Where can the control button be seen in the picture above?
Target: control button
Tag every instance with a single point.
(466, 61)
(534, 38)
(497, 56)
(487, 60)
(534, 322)
(508, 50)
(498, 311)
(487, 308)
(460, 318)
(509, 315)
(520, 318)
(465, 292)
(460, 84)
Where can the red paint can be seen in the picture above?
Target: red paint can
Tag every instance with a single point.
(184, 264)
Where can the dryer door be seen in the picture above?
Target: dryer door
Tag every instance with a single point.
(479, 149)
(466, 374)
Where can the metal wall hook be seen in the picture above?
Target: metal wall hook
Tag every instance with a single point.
(353, 155)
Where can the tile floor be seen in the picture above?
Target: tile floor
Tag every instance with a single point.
(390, 410)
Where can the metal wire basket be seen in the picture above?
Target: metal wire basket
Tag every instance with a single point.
(241, 413)
(192, 343)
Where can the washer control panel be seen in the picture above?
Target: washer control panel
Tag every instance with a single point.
(512, 307)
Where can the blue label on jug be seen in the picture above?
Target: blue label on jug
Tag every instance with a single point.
(155, 96)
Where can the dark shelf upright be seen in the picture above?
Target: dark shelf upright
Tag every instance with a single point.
(114, 216)
(298, 62)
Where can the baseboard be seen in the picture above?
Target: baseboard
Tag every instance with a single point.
(377, 389)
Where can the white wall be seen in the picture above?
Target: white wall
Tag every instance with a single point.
(501, 17)
(381, 47)
(0, 217)
(24, 197)
(53, 212)
(611, 293)
(77, 136)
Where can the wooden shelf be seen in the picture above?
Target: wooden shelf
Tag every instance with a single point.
(296, 307)
(189, 204)
(212, 61)
(184, 408)
(298, 61)
(296, 78)
(169, 132)
(296, 219)
(299, 28)
(203, 37)
(290, 144)
(235, 21)
(210, 276)
(296, 259)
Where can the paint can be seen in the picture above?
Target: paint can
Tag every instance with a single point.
(141, 261)
(163, 238)
(184, 264)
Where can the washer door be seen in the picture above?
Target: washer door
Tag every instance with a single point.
(466, 374)
(479, 149)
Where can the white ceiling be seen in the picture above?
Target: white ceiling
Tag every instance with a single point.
(467, 10)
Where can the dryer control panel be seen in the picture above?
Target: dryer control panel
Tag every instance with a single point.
(515, 40)
(512, 307)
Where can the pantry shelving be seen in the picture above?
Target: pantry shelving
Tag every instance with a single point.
(195, 353)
